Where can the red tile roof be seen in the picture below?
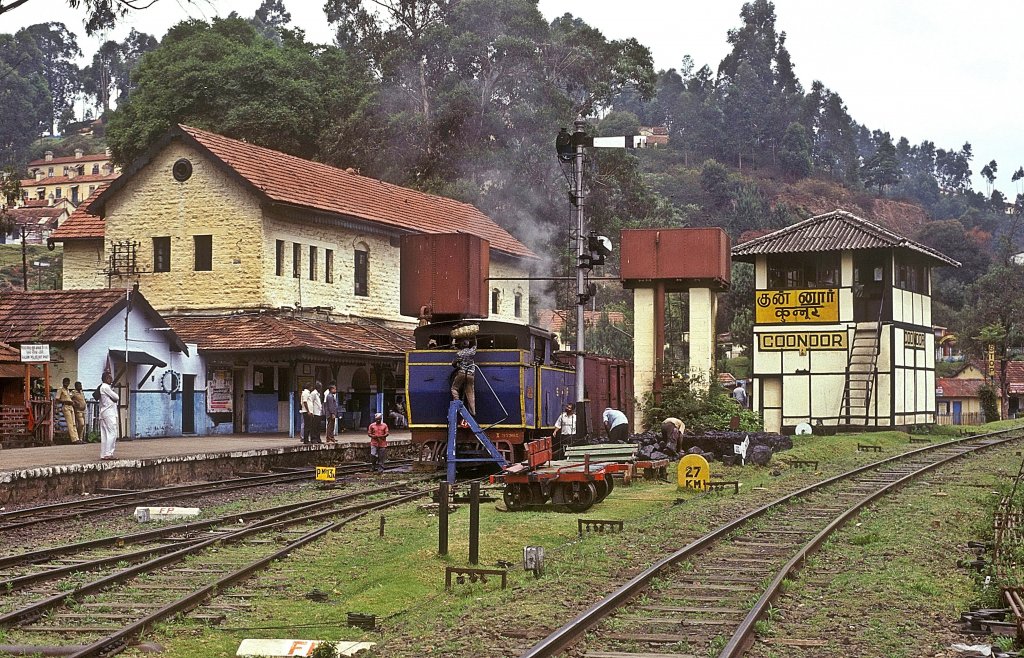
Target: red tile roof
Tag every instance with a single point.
(82, 225)
(61, 180)
(55, 316)
(1015, 377)
(64, 159)
(294, 181)
(36, 203)
(554, 321)
(254, 332)
(33, 215)
(954, 387)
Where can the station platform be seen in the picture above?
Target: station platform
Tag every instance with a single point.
(31, 475)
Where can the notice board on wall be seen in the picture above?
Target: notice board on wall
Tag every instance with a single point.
(219, 391)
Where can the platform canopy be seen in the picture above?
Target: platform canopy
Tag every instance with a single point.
(834, 231)
(137, 357)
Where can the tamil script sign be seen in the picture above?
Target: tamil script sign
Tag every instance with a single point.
(781, 306)
(35, 353)
(802, 341)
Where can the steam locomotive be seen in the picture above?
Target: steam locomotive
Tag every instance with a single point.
(521, 386)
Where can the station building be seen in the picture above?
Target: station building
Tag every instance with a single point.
(842, 325)
(281, 270)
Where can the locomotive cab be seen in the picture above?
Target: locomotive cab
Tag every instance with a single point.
(520, 390)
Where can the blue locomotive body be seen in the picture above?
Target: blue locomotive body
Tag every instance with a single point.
(520, 389)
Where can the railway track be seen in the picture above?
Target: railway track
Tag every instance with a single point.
(96, 604)
(100, 504)
(706, 598)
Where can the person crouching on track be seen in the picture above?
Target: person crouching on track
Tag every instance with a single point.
(617, 425)
(672, 433)
(565, 427)
(378, 433)
(465, 374)
(108, 417)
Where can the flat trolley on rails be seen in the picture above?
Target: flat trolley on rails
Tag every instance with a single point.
(575, 485)
(521, 387)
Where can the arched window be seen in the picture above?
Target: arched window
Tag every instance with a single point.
(518, 304)
(495, 300)
(361, 380)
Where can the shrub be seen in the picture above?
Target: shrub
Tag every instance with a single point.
(989, 402)
(700, 406)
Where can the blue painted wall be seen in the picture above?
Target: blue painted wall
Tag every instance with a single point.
(155, 413)
(261, 412)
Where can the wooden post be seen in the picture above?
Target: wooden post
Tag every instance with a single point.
(442, 518)
(474, 523)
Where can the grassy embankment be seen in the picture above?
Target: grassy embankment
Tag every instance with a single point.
(400, 577)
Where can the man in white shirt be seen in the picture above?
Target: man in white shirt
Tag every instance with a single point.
(565, 427)
(617, 425)
(315, 405)
(108, 417)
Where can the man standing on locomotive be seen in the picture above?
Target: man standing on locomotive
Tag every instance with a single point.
(465, 374)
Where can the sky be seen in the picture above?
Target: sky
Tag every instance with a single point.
(924, 69)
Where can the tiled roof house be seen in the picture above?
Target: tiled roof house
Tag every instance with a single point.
(281, 270)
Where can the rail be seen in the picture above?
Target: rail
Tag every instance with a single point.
(574, 629)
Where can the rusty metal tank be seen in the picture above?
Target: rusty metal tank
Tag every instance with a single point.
(445, 272)
(683, 258)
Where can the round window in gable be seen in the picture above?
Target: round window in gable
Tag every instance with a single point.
(182, 170)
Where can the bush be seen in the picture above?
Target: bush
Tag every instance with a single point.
(989, 403)
(700, 406)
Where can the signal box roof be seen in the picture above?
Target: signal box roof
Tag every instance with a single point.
(834, 231)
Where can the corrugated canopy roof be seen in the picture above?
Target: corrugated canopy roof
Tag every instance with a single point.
(833, 231)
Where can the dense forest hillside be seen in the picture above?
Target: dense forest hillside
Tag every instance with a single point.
(465, 99)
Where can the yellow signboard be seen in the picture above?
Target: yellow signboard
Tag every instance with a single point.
(796, 306)
(325, 473)
(913, 340)
(694, 472)
(802, 341)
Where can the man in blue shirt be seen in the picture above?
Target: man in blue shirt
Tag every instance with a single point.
(617, 425)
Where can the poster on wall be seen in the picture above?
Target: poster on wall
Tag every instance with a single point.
(219, 392)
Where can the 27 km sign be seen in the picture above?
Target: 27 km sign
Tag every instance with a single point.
(694, 472)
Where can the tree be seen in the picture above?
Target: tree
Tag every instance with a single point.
(988, 172)
(24, 96)
(59, 49)
(882, 169)
(109, 77)
(100, 14)
(226, 77)
(795, 155)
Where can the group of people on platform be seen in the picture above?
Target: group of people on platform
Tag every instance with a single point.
(321, 410)
(72, 404)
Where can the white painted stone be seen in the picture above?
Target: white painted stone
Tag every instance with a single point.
(256, 647)
(145, 514)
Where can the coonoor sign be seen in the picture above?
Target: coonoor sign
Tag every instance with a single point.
(802, 341)
(782, 306)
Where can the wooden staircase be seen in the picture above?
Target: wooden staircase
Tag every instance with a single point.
(861, 372)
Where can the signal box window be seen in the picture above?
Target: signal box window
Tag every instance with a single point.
(495, 300)
(162, 254)
(204, 252)
(312, 263)
(328, 265)
(518, 304)
(362, 273)
(296, 260)
(279, 258)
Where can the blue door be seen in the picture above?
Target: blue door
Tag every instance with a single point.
(958, 408)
